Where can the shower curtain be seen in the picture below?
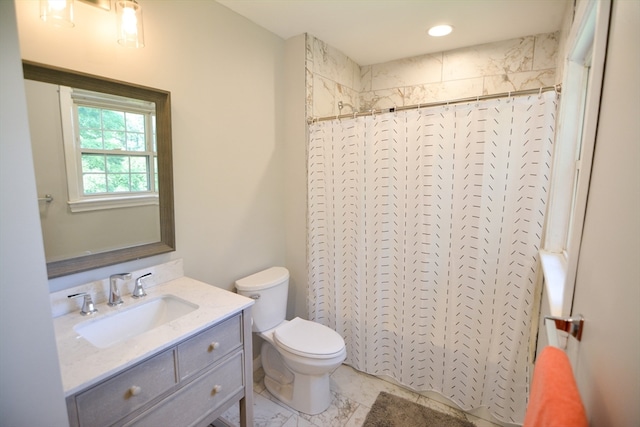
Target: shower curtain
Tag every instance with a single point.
(423, 232)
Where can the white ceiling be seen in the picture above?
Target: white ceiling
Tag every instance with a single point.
(375, 31)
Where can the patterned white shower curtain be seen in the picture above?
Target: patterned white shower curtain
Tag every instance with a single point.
(423, 232)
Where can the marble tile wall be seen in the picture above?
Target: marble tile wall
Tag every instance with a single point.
(510, 65)
(331, 78)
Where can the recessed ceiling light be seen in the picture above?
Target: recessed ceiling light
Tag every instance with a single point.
(440, 30)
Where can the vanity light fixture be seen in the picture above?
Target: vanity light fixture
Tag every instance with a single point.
(57, 12)
(440, 30)
(128, 12)
(130, 32)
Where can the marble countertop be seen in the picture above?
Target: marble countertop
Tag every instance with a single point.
(83, 365)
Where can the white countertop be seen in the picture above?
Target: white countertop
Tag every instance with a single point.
(82, 364)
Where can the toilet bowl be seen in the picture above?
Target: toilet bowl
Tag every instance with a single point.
(297, 355)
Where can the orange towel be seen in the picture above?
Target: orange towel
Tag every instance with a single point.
(554, 400)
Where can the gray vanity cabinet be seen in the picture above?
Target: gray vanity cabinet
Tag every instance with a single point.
(189, 384)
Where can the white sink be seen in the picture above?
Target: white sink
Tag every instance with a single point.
(133, 321)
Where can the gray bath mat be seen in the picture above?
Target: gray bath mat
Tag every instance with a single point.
(393, 411)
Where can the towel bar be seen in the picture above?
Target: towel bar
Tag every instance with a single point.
(571, 325)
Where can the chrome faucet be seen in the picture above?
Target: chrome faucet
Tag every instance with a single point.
(88, 307)
(114, 292)
(138, 290)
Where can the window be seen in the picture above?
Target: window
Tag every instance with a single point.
(110, 150)
(575, 138)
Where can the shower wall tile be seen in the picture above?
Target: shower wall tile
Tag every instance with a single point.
(324, 96)
(332, 64)
(350, 100)
(381, 99)
(518, 81)
(509, 56)
(407, 72)
(309, 92)
(443, 91)
(523, 63)
(545, 52)
(365, 78)
(334, 77)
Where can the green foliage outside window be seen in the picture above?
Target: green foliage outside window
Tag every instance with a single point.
(114, 152)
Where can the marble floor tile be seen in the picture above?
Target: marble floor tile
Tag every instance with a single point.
(338, 413)
(353, 394)
(266, 413)
(358, 417)
(363, 388)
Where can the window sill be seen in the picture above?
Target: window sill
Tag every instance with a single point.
(102, 203)
(554, 268)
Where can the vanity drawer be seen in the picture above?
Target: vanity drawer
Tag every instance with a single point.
(108, 402)
(209, 346)
(198, 399)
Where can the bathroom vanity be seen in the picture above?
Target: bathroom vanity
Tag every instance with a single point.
(182, 372)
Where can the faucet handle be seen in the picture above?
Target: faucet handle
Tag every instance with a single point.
(88, 307)
(138, 290)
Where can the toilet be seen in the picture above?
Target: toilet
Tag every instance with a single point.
(297, 355)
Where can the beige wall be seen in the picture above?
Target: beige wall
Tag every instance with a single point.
(30, 386)
(225, 78)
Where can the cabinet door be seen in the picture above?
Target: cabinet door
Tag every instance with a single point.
(199, 399)
(209, 346)
(111, 400)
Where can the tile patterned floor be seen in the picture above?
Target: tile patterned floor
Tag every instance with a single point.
(353, 394)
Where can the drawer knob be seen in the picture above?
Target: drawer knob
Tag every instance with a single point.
(214, 345)
(217, 388)
(135, 390)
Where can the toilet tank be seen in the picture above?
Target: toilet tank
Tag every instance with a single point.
(269, 288)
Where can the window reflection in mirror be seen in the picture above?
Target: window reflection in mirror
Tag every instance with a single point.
(95, 160)
(103, 168)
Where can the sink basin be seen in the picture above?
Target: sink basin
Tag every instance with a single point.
(133, 321)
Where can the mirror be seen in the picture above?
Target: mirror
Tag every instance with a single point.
(137, 222)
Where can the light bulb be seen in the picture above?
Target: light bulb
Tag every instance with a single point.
(129, 21)
(57, 12)
(57, 4)
(130, 32)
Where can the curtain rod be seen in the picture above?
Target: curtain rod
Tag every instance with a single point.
(557, 88)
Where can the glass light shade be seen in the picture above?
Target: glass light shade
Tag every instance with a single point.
(130, 32)
(57, 12)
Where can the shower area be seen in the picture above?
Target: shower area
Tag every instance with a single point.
(425, 214)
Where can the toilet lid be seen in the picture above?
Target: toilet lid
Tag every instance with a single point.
(308, 338)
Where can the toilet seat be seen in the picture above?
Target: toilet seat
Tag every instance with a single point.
(308, 339)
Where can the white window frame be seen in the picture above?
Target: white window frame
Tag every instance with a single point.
(78, 201)
(573, 154)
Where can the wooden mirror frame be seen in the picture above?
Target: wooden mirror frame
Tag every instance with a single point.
(162, 100)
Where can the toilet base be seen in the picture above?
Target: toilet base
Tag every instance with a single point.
(309, 394)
